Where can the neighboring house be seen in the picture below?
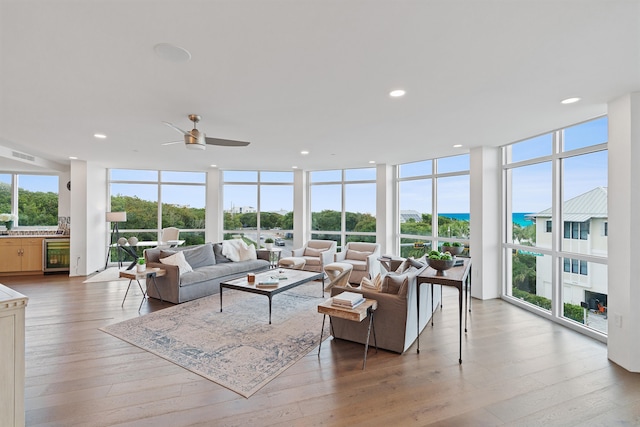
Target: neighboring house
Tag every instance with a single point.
(585, 230)
(410, 214)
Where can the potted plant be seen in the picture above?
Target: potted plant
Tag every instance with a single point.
(8, 220)
(268, 243)
(454, 248)
(141, 267)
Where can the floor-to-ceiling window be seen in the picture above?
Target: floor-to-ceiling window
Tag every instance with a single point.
(439, 186)
(154, 200)
(35, 203)
(258, 205)
(343, 205)
(556, 224)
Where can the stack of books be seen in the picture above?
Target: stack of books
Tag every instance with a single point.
(267, 283)
(348, 300)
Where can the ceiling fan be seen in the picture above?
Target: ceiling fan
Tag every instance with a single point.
(196, 140)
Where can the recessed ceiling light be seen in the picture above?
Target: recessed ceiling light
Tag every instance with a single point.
(372, 161)
(304, 152)
(172, 53)
(294, 167)
(214, 166)
(570, 100)
(73, 158)
(100, 135)
(397, 93)
(457, 146)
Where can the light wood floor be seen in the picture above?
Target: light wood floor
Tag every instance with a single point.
(518, 369)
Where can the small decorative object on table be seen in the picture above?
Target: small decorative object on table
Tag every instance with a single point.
(454, 248)
(440, 261)
(8, 220)
(141, 267)
(268, 243)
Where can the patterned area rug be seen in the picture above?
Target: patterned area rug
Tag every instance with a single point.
(237, 348)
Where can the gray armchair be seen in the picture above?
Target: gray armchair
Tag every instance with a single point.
(317, 254)
(364, 259)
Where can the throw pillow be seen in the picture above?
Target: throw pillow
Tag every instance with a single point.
(374, 284)
(200, 256)
(217, 250)
(177, 259)
(416, 263)
(403, 266)
(357, 255)
(247, 253)
(165, 253)
(313, 252)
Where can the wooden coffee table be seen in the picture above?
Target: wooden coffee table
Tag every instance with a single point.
(293, 278)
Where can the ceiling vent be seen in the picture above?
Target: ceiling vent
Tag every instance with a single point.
(23, 156)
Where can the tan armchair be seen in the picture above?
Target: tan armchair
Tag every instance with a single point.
(364, 258)
(317, 254)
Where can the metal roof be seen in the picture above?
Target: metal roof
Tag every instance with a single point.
(592, 204)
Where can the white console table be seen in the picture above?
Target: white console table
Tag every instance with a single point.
(12, 305)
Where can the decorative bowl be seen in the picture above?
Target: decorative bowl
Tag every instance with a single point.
(440, 265)
(453, 250)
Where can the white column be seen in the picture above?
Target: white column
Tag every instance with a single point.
(89, 230)
(214, 212)
(624, 232)
(486, 210)
(386, 209)
(301, 215)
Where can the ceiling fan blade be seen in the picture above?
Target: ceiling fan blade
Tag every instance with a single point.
(226, 142)
(171, 125)
(172, 142)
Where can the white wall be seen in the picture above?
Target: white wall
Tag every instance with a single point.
(624, 231)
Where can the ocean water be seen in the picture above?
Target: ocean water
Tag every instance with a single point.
(517, 217)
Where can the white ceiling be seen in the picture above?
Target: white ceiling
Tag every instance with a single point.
(304, 75)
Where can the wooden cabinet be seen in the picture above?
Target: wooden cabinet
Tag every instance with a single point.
(12, 365)
(20, 254)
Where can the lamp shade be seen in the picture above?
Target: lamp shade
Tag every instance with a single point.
(116, 216)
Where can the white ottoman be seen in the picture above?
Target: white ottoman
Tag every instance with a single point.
(295, 263)
(338, 273)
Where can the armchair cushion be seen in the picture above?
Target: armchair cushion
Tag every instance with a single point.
(312, 252)
(357, 255)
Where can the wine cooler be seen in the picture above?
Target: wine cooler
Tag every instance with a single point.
(55, 255)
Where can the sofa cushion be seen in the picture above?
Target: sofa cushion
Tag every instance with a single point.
(394, 283)
(217, 271)
(357, 255)
(179, 260)
(217, 251)
(200, 256)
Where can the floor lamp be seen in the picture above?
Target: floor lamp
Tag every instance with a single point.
(115, 218)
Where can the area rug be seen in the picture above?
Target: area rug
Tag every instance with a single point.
(108, 275)
(236, 348)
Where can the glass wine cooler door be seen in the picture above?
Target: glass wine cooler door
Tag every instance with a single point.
(55, 255)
